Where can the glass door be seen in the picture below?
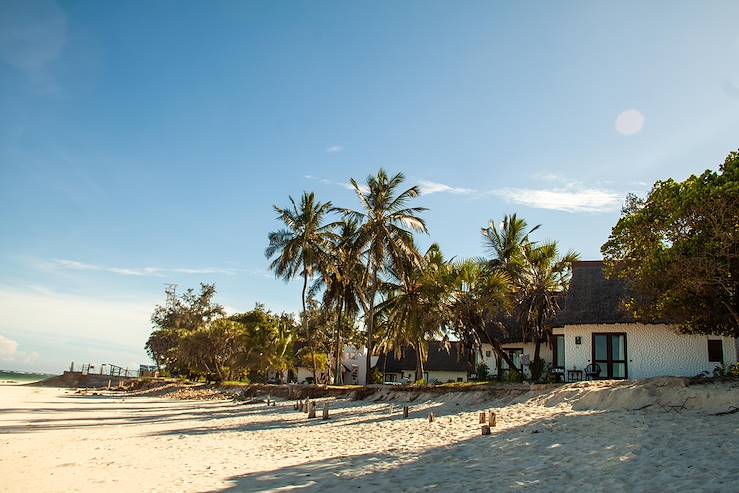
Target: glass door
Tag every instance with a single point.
(609, 352)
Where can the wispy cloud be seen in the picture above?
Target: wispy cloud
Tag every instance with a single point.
(562, 199)
(67, 264)
(429, 187)
(562, 194)
(334, 149)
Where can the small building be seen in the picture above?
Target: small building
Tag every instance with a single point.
(446, 363)
(593, 327)
(510, 335)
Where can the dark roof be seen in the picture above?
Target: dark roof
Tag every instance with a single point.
(439, 359)
(506, 328)
(592, 299)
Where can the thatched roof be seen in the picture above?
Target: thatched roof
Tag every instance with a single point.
(439, 359)
(592, 299)
(506, 328)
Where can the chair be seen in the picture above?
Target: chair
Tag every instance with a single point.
(592, 371)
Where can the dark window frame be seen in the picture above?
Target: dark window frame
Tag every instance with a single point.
(556, 340)
(609, 351)
(720, 349)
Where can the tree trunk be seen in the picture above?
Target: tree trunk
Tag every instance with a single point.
(420, 363)
(371, 325)
(307, 330)
(500, 352)
(338, 377)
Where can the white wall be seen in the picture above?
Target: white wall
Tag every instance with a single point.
(651, 350)
(446, 376)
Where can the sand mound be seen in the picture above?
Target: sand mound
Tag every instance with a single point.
(659, 394)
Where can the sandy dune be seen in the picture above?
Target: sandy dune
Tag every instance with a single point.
(583, 437)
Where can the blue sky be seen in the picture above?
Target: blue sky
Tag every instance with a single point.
(144, 143)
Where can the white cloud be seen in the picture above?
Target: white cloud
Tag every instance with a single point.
(629, 122)
(67, 264)
(334, 149)
(566, 200)
(8, 348)
(429, 187)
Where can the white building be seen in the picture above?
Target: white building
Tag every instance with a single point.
(593, 328)
(444, 365)
(354, 364)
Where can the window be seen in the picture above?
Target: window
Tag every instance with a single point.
(515, 355)
(558, 351)
(609, 352)
(459, 379)
(715, 351)
(487, 354)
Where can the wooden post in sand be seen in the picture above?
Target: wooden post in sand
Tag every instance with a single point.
(482, 417)
(325, 411)
(485, 429)
(405, 411)
(491, 418)
(109, 382)
(306, 407)
(267, 400)
(300, 405)
(431, 417)
(312, 410)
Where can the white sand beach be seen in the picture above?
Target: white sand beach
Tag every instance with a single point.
(581, 437)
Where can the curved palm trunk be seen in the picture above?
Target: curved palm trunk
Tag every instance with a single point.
(307, 330)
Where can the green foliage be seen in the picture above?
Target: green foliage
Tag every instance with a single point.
(483, 372)
(678, 251)
(727, 372)
(514, 376)
(387, 226)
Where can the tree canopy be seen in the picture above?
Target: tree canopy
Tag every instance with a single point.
(677, 250)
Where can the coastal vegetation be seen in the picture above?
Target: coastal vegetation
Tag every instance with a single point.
(364, 282)
(678, 251)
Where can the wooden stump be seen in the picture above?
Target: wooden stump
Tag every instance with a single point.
(306, 407)
(486, 429)
(405, 411)
(268, 403)
(491, 418)
(482, 418)
(312, 410)
(325, 411)
(300, 406)
(431, 417)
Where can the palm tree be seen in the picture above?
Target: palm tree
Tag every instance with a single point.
(410, 313)
(343, 279)
(300, 247)
(505, 242)
(477, 298)
(385, 215)
(543, 277)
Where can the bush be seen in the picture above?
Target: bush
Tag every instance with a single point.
(514, 376)
(483, 372)
(536, 368)
(731, 371)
